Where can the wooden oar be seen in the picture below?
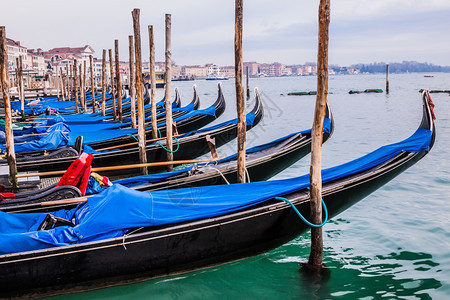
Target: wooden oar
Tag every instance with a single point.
(29, 122)
(45, 133)
(65, 201)
(135, 166)
(130, 144)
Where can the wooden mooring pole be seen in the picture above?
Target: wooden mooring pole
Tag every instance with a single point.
(140, 99)
(69, 81)
(111, 71)
(83, 85)
(57, 83)
(11, 154)
(63, 86)
(119, 82)
(240, 100)
(103, 81)
(91, 64)
(152, 82)
(132, 82)
(168, 87)
(387, 78)
(248, 85)
(75, 87)
(21, 87)
(315, 261)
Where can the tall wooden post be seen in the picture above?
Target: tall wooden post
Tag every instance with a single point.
(240, 101)
(57, 83)
(387, 78)
(111, 70)
(75, 84)
(248, 85)
(63, 86)
(140, 98)
(132, 82)
(21, 89)
(168, 87)
(83, 78)
(152, 82)
(69, 82)
(119, 82)
(103, 81)
(7, 106)
(91, 63)
(316, 255)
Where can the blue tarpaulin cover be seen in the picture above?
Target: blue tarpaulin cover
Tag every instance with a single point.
(154, 178)
(119, 209)
(55, 136)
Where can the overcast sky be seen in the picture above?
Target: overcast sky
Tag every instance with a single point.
(285, 31)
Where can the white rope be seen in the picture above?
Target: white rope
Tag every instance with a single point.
(221, 174)
(127, 234)
(248, 175)
(136, 230)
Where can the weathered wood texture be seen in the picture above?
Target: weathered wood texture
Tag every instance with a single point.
(140, 99)
(4, 82)
(316, 255)
(240, 101)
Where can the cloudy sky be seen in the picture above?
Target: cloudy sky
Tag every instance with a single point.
(361, 31)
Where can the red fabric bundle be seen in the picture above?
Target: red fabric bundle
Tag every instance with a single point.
(78, 173)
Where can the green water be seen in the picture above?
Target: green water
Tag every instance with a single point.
(394, 244)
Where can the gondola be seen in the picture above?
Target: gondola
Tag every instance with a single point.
(262, 162)
(123, 235)
(185, 122)
(186, 118)
(189, 145)
(79, 124)
(65, 107)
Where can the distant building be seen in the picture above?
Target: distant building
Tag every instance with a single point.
(36, 61)
(274, 69)
(194, 71)
(212, 70)
(14, 50)
(253, 68)
(69, 54)
(228, 72)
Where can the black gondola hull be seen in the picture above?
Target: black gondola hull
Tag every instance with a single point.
(177, 248)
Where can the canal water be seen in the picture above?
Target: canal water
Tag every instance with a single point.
(394, 244)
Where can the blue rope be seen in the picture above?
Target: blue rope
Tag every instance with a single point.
(303, 218)
(133, 137)
(171, 151)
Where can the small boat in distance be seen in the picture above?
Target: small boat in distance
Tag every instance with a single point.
(160, 79)
(216, 78)
(428, 75)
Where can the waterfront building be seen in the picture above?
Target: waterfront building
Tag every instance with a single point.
(14, 50)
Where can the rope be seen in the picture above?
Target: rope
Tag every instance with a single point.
(137, 229)
(171, 151)
(303, 218)
(218, 171)
(133, 137)
(127, 234)
(248, 175)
